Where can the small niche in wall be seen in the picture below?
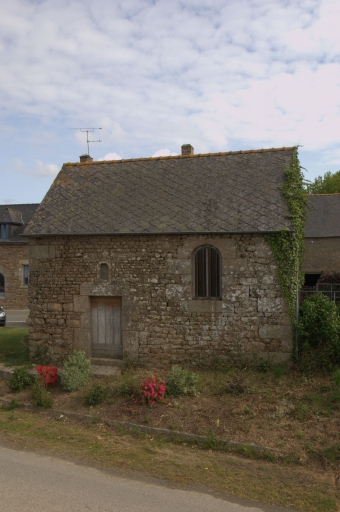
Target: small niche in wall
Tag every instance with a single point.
(104, 272)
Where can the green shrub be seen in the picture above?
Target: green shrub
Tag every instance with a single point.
(40, 355)
(263, 366)
(129, 387)
(20, 379)
(337, 378)
(76, 371)
(95, 395)
(41, 397)
(9, 407)
(279, 371)
(181, 382)
(319, 333)
(333, 452)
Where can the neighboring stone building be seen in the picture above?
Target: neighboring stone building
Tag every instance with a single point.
(14, 259)
(322, 243)
(161, 260)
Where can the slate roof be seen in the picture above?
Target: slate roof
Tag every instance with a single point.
(11, 216)
(17, 214)
(323, 218)
(235, 192)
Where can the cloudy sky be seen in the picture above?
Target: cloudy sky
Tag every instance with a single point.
(156, 74)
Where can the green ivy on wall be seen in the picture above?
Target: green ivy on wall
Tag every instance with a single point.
(288, 246)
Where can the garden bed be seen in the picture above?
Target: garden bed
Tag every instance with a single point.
(296, 414)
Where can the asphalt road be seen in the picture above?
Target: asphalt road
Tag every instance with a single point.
(32, 482)
(16, 318)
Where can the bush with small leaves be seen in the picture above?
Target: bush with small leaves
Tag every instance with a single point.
(95, 395)
(181, 382)
(20, 379)
(76, 371)
(41, 397)
(319, 333)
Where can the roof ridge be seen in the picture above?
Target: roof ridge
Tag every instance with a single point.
(246, 151)
(18, 204)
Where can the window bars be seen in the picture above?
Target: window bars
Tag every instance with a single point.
(207, 273)
(331, 290)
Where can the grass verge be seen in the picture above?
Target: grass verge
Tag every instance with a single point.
(14, 346)
(98, 445)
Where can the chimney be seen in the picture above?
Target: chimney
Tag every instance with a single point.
(187, 149)
(85, 158)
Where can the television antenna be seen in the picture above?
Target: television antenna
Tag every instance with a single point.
(87, 130)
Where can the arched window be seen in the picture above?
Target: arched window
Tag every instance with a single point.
(2, 284)
(104, 272)
(207, 262)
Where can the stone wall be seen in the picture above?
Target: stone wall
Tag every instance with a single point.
(321, 254)
(161, 323)
(12, 257)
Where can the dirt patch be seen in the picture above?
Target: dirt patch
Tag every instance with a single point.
(295, 414)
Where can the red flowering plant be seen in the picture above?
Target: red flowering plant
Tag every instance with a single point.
(152, 390)
(48, 374)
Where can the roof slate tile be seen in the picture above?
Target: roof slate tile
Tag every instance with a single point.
(217, 193)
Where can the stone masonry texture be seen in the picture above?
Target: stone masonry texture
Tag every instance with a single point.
(161, 322)
(12, 258)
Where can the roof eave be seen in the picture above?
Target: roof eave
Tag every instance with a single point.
(257, 232)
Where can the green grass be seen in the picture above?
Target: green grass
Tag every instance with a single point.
(98, 445)
(13, 346)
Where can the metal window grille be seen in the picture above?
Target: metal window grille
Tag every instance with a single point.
(25, 274)
(104, 272)
(207, 273)
(331, 290)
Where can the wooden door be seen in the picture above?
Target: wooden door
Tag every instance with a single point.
(106, 327)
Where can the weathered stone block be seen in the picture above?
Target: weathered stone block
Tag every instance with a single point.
(55, 306)
(282, 332)
(175, 291)
(271, 305)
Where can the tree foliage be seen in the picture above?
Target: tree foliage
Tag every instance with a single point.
(328, 184)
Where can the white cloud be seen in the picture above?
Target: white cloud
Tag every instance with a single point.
(163, 152)
(332, 157)
(39, 170)
(225, 75)
(111, 156)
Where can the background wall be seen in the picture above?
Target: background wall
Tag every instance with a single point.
(12, 258)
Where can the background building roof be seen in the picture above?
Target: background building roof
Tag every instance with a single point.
(213, 193)
(16, 214)
(323, 218)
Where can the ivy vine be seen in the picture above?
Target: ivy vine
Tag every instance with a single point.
(288, 246)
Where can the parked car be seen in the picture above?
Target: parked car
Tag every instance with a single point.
(2, 317)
